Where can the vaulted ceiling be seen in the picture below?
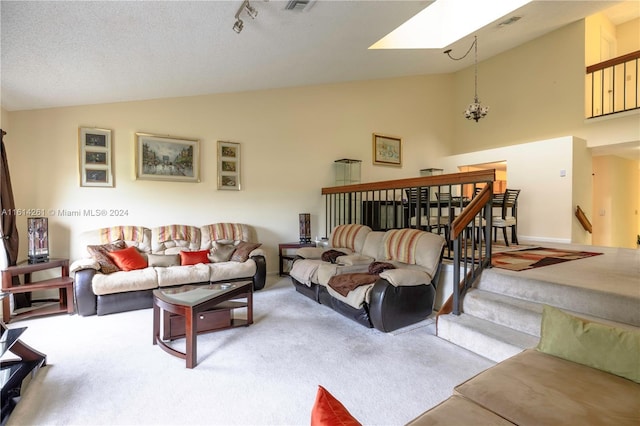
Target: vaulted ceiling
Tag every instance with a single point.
(62, 53)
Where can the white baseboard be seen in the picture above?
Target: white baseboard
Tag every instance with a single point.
(527, 239)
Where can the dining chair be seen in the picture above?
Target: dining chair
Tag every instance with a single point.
(508, 203)
(428, 221)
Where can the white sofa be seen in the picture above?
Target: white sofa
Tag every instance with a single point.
(230, 250)
(398, 297)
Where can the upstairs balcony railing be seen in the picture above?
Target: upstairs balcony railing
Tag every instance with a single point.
(457, 205)
(612, 86)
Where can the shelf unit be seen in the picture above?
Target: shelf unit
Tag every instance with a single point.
(63, 283)
(284, 254)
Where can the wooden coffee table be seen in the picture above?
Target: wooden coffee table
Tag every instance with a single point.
(190, 310)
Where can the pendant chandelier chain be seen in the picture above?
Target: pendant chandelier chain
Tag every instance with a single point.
(474, 111)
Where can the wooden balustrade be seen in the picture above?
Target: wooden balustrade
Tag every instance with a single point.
(613, 85)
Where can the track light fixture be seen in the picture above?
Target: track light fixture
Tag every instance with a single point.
(238, 26)
(251, 11)
(474, 111)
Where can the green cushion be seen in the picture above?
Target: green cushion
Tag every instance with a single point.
(611, 349)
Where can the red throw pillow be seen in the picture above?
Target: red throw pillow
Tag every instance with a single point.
(128, 259)
(328, 411)
(194, 257)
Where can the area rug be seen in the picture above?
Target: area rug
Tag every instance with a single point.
(535, 257)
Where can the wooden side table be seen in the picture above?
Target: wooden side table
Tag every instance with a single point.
(287, 257)
(63, 283)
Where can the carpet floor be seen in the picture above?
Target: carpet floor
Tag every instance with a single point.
(105, 371)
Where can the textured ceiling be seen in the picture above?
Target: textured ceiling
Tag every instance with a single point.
(63, 53)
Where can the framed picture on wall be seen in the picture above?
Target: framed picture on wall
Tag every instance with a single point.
(95, 157)
(229, 166)
(387, 150)
(167, 158)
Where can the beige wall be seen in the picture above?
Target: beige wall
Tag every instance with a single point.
(616, 183)
(535, 92)
(628, 36)
(546, 201)
(289, 141)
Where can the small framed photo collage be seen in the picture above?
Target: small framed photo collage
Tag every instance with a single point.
(229, 166)
(96, 167)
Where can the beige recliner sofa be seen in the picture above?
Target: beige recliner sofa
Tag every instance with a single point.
(397, 298)
(229, 250)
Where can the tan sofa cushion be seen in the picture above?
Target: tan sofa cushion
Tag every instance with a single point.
(121, 281)
(178, 275)
(305, 271)
(163, 259)
(222, 271)
(533, 388)
(458, 411)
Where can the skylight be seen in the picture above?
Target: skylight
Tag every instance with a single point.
(446, 21)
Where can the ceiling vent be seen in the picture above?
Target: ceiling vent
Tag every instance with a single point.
(299, 5)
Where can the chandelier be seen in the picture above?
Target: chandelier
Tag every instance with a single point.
(475, 111)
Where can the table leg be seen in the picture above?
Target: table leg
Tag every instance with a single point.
(250, 307)
(69, 299)
(156, 323)
(191, 332)
(6, 309)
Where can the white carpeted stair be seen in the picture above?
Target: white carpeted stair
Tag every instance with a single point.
(502, 313)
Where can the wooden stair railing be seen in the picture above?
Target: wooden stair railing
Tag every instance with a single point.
(480, 203)
(584, 221)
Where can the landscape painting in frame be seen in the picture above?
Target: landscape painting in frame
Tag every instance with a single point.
(229, 165)
(387, 150)
(167, 158)
(94, 146)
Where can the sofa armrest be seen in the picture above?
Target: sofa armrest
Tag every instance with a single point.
(260, 277)
(258, 252)
(405, 277)
(310, 252)
(391, 307)
(84, 297)
(86, 263)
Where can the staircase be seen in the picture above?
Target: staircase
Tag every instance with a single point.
(502, 313)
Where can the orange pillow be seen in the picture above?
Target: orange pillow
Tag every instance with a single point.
(194, 257)
(128, 259)
(328, 411)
